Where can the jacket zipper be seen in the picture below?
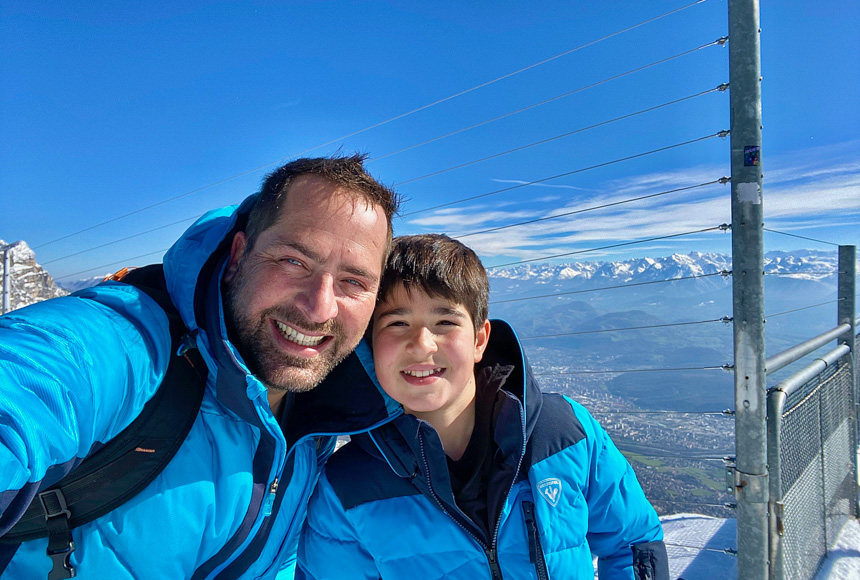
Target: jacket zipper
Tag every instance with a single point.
(535, 548)
(489, 551)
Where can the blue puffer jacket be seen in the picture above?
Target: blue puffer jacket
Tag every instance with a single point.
(559, 490)
(75, 371)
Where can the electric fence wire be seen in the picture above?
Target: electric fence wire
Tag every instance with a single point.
(593, 208)
(789, 274)
(721, 88)
(724, 320)
(376, 125)
(114, 263)
(721, 273)
(801, 237)
(722, 134)
(728, 506)
(110, 243)
(728, 551)
(727, 413)
(802, 308)
(722, 227)
(619, 371)
(673, 456)
(723, 180)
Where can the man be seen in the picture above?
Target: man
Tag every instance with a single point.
(276, 294)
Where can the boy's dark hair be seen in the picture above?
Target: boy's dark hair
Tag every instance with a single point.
(345, 171)
(439, 266)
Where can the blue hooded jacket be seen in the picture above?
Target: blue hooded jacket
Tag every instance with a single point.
(75, 371)
(558, 492)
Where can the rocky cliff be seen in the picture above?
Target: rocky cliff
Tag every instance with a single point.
(28, 281)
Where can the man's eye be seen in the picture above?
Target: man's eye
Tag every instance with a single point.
(354, 282)
(292, 261)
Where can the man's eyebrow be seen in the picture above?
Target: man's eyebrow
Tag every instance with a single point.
(317, 257)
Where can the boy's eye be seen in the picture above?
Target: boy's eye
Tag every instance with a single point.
(448, 323)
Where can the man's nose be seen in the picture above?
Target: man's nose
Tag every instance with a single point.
(319, 302)
(422, 341)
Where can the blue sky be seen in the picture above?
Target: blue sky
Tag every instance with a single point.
(108, 108)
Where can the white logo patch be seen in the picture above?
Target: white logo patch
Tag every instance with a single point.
(550, 490)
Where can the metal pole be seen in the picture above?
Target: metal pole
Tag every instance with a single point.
(7, 279)
(847, 283)
(750, 472)
(775, 404)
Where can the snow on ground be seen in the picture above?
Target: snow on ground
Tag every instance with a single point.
(843, 561)
(697, 546)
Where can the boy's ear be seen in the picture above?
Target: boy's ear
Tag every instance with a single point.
(482, 337)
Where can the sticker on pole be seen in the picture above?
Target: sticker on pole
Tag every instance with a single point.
(749, 193)
(752, 156)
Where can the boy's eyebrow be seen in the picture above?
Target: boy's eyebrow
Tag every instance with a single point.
(447, 311)
(438, 311)
(398, 311)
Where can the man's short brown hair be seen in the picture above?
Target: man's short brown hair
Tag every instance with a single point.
(345, 171)
(439, 266)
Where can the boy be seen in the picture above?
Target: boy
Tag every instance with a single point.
(483, 476)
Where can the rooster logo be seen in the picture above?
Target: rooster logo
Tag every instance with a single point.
(550, 490)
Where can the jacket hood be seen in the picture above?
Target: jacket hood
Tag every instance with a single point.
(202, 245)
(504, 348)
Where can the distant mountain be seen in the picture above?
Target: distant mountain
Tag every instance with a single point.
(76, 285)
(582, 320)
(28, 281)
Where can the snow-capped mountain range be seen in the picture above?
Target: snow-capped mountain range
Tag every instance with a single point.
(803, 264)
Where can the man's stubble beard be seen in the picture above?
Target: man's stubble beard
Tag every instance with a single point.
(276, 369)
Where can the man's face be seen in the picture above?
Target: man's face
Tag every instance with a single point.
(299, 301)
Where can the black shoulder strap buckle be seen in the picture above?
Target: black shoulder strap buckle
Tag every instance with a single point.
(60, 544)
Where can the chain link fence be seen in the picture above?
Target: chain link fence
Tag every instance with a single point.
(814, 494)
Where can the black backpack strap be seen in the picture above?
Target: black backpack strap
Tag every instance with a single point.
(129, 462)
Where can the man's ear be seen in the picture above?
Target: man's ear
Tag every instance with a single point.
(482, 337)
(237, 250)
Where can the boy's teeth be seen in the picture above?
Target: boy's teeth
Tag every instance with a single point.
(297, 337)
(422, 374)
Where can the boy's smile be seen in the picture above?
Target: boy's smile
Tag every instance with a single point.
(424, 350)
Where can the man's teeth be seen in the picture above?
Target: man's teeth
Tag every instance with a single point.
(299, 338)
(422, 374)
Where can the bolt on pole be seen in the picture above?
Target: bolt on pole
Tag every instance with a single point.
(750, 472)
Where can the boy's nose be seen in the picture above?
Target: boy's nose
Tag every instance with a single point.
(318, 301)
(423, 341)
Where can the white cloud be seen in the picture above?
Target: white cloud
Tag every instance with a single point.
(815, 190)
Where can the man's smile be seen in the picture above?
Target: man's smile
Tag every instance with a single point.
(294, 336)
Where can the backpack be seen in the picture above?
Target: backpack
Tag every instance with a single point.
(125, 465)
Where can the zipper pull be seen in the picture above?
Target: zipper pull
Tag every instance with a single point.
(495, 569)
(270, 500)
(529, 514)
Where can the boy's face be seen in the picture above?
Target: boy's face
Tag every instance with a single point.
(425, 349)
